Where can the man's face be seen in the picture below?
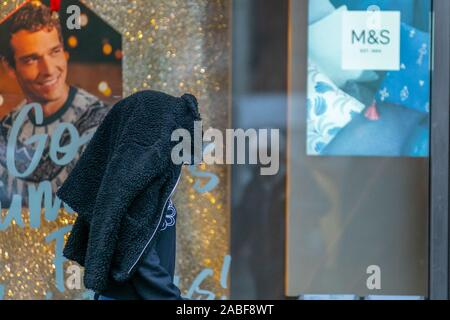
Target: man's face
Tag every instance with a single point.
(41, 64)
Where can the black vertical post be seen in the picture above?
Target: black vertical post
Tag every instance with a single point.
(439, 163)
(260, 51)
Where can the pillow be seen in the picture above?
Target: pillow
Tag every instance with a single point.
(329, 109)
(422, 15)
(418, 143)
(410, 86)
(406, 7)
(325, 48)
(319, 9)
(393, 135)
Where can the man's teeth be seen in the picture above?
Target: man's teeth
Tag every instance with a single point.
(49, 82)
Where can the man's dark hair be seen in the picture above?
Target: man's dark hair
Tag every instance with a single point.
(33, 16)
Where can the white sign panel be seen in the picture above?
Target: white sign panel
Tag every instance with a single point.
(371, 40)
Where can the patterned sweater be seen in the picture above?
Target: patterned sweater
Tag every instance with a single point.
(83, 110)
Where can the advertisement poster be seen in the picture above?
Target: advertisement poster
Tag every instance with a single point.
(60, 74)
(56, 85)
(63, 65)
(368, 78)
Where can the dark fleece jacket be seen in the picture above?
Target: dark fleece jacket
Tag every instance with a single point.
(121, 183)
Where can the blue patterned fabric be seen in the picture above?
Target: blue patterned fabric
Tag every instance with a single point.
(418, 143)
(422, 15)
(329, 110)
(409, 87)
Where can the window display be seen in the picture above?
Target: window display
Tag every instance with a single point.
(369, 82)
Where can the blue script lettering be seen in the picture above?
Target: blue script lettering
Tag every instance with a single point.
(58, 236)
(69, 150)
(36, 195)
(43, 192)
(14, 213)
(209, 186)
(202, 276)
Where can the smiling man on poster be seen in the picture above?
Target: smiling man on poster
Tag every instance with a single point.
(33, 54)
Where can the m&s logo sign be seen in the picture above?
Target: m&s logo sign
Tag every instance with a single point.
(371, 40)
(371, 37)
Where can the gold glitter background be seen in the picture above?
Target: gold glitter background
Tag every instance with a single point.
(175, 46)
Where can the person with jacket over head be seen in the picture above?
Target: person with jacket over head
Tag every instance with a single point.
(121, 189)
